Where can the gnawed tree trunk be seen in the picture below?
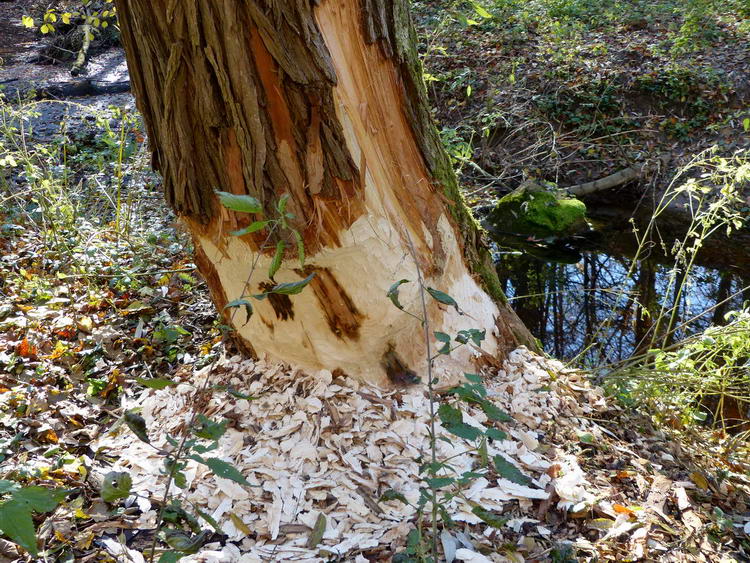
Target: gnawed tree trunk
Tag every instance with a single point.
(325, 102)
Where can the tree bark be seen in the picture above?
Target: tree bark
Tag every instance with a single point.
(323, 101)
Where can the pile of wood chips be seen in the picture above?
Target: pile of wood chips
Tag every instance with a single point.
(315, 444)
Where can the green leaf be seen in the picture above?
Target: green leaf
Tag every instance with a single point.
(240, 203)
(465, 431)
(452, 421)
(116, 485)
(170, 557)
(481, 12)
(15, 514)
(446, 339)
(300, 248)
(184, 542)
(281, 204)
(39, 499)
(209, 429)
(241, 303)
(208, 518)
(510, 472)
(277, 258)
(16, 523)
(137, 424)
(449, 415)
(476, 336)
(489, 518)
(495, 434)
(292, 288)
(7, 486)
(393, 293)
(473, 378)
(222, 469)
(495, 413)
(251, 228)
(316, 536)
(443, 298)
(156, 383)
(439, 482)
(390, 494)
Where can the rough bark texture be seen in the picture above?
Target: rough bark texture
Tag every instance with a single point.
(325, 102)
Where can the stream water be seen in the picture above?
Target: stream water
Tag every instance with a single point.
(586, 298)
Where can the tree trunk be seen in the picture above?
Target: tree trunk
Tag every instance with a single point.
(323, 101)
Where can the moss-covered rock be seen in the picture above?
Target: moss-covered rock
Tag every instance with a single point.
(532, 210)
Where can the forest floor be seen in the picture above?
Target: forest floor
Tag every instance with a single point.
(569, 92)
(100, 305)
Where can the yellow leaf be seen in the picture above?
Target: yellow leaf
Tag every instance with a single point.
(699, 480)
(66, 17)
(27, 21)
(46, 28)
(239, 524)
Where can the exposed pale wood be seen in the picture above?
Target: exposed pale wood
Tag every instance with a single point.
(325, 103)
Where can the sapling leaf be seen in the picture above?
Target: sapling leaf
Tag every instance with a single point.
(465, 431)
(390, 494)
(489, 518)
(446, 340)
(184, 542)
(251, 228)
(211, 521)
(508, 471)
(241, 303)
(282, 203)
(292, 288)
(209, 429)
(116, 485)
(277, 258)
(473, 378)
(170, 557)
(240, 203)
(137, 424)
(392, 293)
(439, 482)
(443, 298)
(495, 413)
(222, 469)
(495, 434)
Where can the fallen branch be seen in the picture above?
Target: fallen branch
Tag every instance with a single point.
(83, 52)
(613, 180)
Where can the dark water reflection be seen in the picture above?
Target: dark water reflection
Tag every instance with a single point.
(598, 307)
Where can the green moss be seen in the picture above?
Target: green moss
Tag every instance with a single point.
(533, 211)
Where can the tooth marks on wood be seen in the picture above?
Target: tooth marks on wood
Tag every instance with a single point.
(281, 304)
(397, 371)
(344, 319)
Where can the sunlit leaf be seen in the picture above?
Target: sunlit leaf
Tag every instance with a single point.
(116, 485)
(137, 424)
(240, 203)
(155, 383)
(508, 471)
(443, 298)
(291, 288)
